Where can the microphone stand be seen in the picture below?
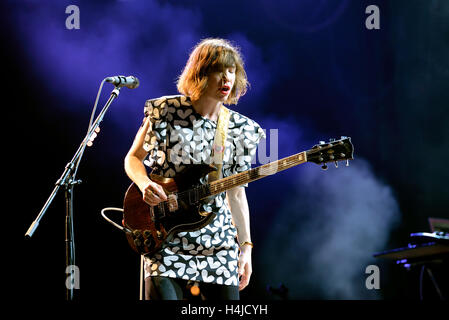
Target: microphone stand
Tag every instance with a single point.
(67, 180)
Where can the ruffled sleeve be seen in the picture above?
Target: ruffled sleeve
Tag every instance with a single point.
(155, 141)
(246, 143)
(156, 110)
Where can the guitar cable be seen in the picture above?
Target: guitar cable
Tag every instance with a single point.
(112, 222)
(192, 286)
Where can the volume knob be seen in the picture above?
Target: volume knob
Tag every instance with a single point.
(148, 242)
(137, 234)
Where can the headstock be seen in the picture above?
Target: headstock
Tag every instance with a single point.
(332, 151)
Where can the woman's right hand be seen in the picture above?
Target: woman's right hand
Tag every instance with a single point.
(153, 193)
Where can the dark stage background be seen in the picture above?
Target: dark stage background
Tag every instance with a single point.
(316, 73)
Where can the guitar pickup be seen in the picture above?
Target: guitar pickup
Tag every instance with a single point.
(172, 202)
(152, 215)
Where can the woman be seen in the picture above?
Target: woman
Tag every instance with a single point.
(178, 131)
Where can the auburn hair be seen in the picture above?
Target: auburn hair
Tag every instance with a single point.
(211, 55)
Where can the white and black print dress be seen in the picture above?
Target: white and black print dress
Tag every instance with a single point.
(180, 137)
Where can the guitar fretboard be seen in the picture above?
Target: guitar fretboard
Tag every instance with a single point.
(253, 174)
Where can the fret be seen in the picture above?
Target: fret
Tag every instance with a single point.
(253, 174)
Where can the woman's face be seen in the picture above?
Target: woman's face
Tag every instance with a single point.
(220, 84)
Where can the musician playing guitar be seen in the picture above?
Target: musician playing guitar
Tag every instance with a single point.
(178, 132)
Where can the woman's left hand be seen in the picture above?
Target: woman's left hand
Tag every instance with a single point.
(245, 267)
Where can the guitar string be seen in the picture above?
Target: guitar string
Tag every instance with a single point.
(241, 177)
(245, 177)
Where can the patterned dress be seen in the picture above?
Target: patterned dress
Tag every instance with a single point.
(180, 137)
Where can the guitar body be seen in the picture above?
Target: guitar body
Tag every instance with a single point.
(150, 227)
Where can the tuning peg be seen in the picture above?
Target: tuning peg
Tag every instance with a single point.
(347, 162)
(336, 164)
(324, 166)
(331, 139)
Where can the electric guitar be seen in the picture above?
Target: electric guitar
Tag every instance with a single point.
(148, 227)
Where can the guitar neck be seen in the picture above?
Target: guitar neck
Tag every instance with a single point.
(253, 174)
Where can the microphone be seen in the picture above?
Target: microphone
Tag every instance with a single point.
(122, 81)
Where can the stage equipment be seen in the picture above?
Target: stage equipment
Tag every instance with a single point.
(68, 178)
(429, 251)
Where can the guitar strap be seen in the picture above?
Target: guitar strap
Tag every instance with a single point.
(219, 144)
